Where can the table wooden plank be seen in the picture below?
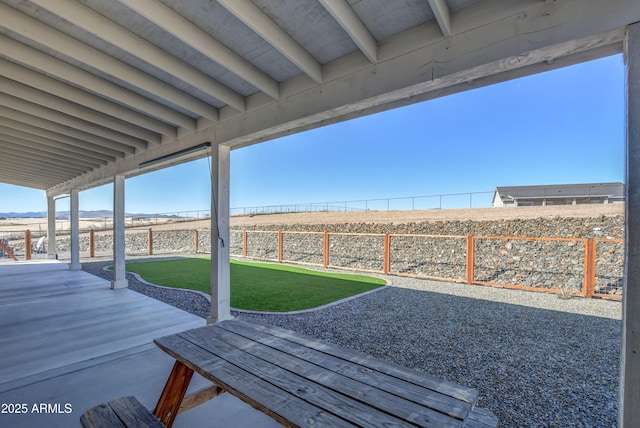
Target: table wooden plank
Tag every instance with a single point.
(121, 413)
(293, 385)
(251, 389)
(101, 416)
(390, 384)
(374, 396)
(452, 389)
(481, 418)
(133, 414)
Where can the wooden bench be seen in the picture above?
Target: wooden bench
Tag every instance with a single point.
(126, 412)
(300, 381)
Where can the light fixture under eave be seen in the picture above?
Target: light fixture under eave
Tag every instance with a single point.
(174, 155)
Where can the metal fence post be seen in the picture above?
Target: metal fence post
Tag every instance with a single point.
(150, 242)
(196, 241)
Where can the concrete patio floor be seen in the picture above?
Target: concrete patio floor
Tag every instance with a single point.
(68, 342)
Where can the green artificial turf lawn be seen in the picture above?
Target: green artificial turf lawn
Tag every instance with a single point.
(260, 286)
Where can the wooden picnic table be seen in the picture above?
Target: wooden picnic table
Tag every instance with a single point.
(300, 381)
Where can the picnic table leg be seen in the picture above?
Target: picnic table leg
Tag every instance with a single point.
(174, 390)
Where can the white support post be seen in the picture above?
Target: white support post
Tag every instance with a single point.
(51, 228)
(630, 358)
(119, 273)
(75, 231)
(220, 267)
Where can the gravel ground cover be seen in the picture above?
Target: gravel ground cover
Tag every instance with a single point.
(536, 360)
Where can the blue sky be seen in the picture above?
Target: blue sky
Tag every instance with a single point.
(564, 126)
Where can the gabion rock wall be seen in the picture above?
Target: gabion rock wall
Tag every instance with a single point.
(303, 248)
(429, 249)
(553, 227)
(360, 252)
(437, 257)
(539, 264)
(438, 249)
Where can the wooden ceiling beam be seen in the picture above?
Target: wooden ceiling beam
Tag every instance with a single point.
(263, 25)
(19, 178)
(44, 128)
(124, 142)
(32, 147)
(109, 31)
(44, 143)
(175, 24)
(40, 120)
(64, 163)
(443, 16)
(50, 66)
(351, 23)
(137, 135)
(44, 170)
(65, 91)
(63, 44)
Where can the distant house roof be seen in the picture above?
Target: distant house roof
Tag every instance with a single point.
(510, 194)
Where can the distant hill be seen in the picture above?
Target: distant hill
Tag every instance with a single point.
(82, 214)
(23, 215)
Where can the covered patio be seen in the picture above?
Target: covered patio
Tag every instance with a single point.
(69, 343)
(95, 92)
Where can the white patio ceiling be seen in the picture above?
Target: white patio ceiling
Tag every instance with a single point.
(92, 88)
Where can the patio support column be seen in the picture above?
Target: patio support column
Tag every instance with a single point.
(630, 358)
(75, 231)
(119, 274)
(51, 227)
(220, 268)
